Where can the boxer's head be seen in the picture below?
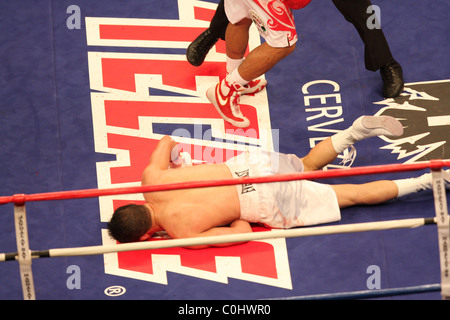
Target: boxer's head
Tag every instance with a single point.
(130, 223)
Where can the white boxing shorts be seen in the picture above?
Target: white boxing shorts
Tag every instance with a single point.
(281, 204)
(274, 20)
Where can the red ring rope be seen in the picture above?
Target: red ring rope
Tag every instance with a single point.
(20, 199)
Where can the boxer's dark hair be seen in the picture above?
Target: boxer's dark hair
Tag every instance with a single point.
(129, 223)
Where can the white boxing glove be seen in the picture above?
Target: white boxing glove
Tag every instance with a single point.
(178, 158)
(175, 156)
(186, 160)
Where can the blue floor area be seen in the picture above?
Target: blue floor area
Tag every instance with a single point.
(52, 141)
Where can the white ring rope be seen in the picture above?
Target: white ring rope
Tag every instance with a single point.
(243, 237)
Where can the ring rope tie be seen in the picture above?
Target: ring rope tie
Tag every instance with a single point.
(443, 226)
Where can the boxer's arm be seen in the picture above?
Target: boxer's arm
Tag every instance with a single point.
(161, 156)
(159, 160)
(237, 227)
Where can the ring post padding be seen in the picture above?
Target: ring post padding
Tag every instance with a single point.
(443, 225)
(24, 253)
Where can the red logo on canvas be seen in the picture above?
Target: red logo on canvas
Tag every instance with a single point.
(137, 98)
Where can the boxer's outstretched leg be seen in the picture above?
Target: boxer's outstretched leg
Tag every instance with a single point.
(364, 127)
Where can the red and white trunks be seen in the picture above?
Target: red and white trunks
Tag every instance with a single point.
(273, 19)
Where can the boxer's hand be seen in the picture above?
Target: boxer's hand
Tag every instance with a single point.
(175, 158)
(179, 159)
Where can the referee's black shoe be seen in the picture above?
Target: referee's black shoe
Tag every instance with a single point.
(392, 75)
(199, 48)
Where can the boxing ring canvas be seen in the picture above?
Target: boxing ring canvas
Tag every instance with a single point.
(88, 88)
